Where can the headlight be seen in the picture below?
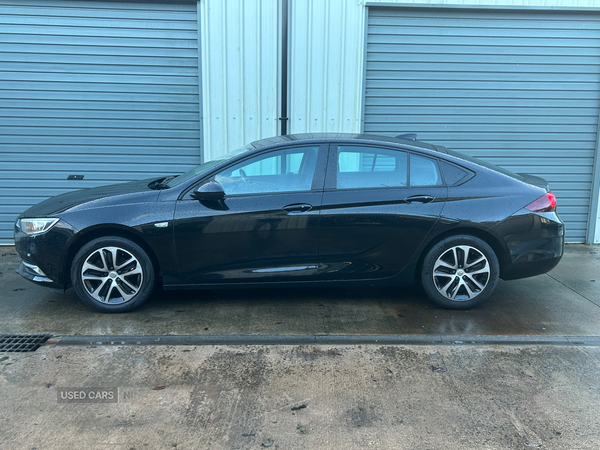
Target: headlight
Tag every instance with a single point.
(36, 226)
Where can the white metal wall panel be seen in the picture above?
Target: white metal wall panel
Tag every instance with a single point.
(326, 65)
(240, 65)
(108, 90)
(518, 89)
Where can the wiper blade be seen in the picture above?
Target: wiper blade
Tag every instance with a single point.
(161, 183)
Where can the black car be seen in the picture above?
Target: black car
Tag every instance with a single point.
(298, 209)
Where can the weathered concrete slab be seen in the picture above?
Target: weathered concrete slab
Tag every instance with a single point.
(560, 304)
(299, 397)
(579, 270)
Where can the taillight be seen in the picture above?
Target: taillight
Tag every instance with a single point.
(546, 203)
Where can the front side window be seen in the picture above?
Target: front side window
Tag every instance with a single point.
(203, 168)
(286, 170)
(366, 167)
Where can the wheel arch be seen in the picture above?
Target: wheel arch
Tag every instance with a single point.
(497, 246)
(89, 234)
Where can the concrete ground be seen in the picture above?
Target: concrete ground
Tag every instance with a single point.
(564, 302)
(303, 396)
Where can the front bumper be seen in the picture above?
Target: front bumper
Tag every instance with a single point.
(44, 255)
(34, 274)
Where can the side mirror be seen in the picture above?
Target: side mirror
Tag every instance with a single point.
(209, 191)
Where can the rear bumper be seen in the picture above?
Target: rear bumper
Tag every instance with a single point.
(529, 269)
(538, 246)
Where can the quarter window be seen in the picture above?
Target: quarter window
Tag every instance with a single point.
(453, 174)
(280, 171)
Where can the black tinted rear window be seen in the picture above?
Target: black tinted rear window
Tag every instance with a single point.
(453, 174)
(485, 164)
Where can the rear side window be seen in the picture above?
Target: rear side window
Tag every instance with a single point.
(453, 174)
(424, 171)
(367, 167)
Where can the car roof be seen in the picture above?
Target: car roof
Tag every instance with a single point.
(346, 137)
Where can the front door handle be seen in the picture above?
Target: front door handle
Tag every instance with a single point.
(297, 207)
(419, 199)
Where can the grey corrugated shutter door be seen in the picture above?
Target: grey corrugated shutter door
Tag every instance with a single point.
(108, 90)
(519, 89)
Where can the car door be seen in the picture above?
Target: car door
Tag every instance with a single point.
(378, 206)
(266, 227)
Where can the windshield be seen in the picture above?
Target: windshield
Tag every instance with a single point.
(203, 168)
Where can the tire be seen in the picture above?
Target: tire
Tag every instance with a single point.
(112, 274)
(460, 272)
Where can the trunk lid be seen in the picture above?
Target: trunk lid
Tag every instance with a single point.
(535, 181)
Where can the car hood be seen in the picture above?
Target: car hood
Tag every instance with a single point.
(114, 194)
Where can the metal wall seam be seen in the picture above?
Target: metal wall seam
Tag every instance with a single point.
(326, 65)
(239, 62)
(363, 80)
(200, 81)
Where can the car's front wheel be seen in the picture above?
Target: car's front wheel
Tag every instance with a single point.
(112, 274)
(460, 272)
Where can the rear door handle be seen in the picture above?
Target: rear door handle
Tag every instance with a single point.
(419, 199)
(297, 207)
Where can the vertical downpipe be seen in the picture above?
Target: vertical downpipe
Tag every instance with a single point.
(284, 66)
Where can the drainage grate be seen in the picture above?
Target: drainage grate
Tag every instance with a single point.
(22, 342)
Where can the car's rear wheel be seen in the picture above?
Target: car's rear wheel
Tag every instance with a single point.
(112, 274)
(460, 272)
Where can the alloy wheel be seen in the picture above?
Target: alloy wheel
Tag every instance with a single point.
(112, 275)
(461, 273)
